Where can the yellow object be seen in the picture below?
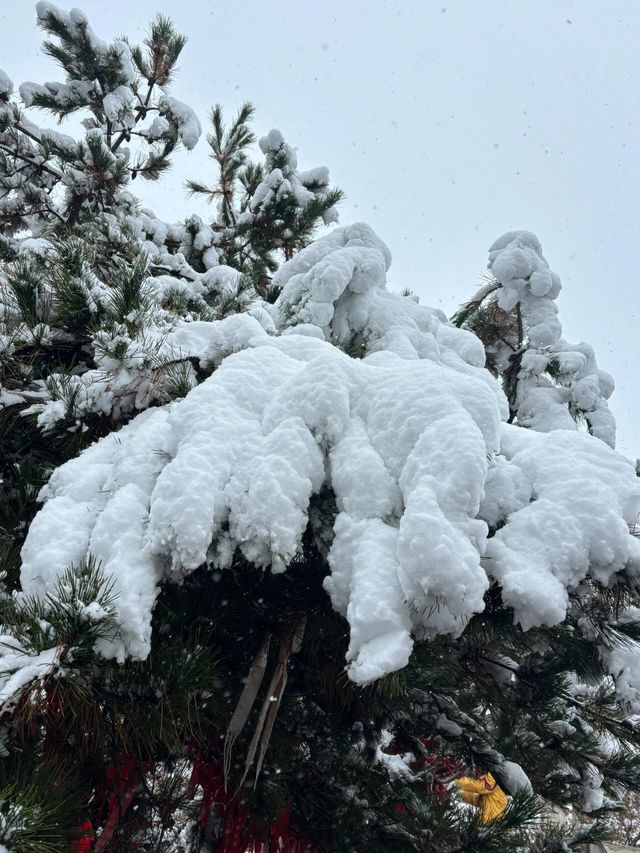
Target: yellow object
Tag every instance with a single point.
(484, 793)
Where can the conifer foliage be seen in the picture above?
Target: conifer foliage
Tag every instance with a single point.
(280, 556)
(549, 382)
(48, 176)
(262, 210)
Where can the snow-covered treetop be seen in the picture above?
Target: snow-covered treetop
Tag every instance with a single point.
(435, 495)
(262, 208)
(132, 124)
(551, 383)
(283, 178)
(338, 284)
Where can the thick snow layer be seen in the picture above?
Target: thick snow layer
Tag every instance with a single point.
(321, 285)
(409, 438)
(243, 455)
(582, 498)
(338, 284)
(93, 514)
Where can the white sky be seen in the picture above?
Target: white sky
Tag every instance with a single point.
(446, 123)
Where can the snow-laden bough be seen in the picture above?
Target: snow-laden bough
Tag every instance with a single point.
(410, 438)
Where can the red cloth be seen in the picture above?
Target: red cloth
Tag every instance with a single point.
(85, 842)
(238, 835)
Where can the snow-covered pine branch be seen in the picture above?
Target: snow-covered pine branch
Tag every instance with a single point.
(132, 126)
(411, 440)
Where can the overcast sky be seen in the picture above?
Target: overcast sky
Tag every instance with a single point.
(446, 123)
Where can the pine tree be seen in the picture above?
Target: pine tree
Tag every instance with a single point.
(547, 380)
(263, 210)
(271, 560)
(48, 177)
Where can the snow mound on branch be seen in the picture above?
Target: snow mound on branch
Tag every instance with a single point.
(6, 84)
(622, 658)
(514, 780)
(235, 464)
(623, 663)
(72, 20)
(281, 178)
(77, 23)
(581, 501)
(338, 283)
(189, 127)
(321, 284)
(19, 668)
(101, 506)
(408, 438)
(117, 105)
